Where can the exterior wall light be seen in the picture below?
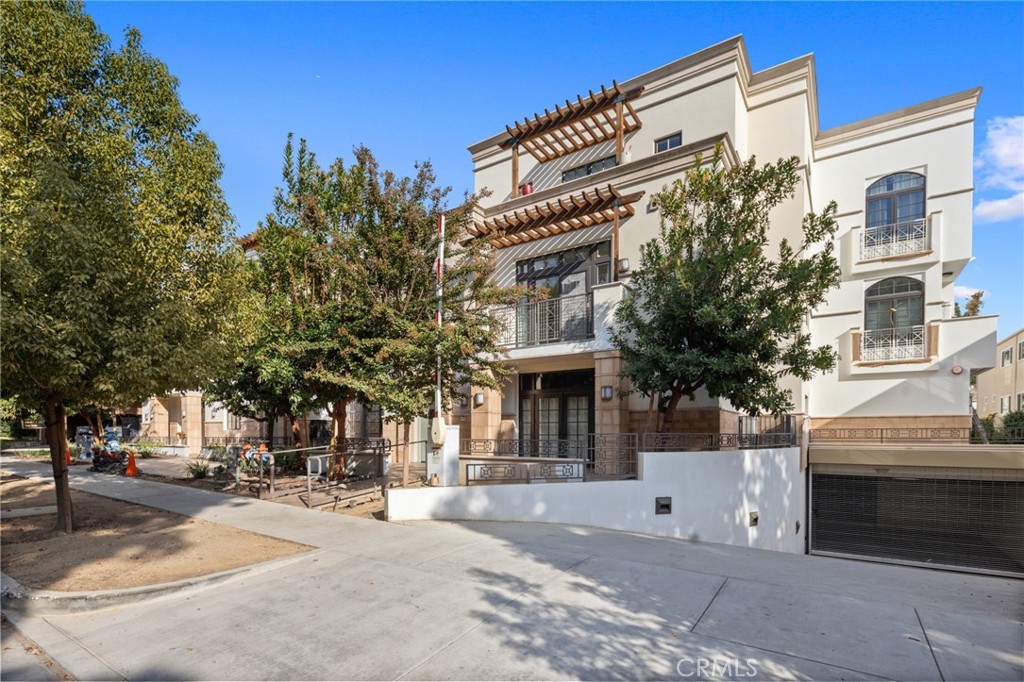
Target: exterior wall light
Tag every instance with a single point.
(623, 265)
(478, 399)
(606, 393)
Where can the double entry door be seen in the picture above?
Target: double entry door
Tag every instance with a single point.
(556, 413)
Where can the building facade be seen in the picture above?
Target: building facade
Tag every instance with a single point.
(570, 206)
(1001, 389)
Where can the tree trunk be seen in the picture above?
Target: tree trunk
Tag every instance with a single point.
(339, 414)
(296, 430)
(339, 417)
(270, 428)
(670, 411)
(57, 436)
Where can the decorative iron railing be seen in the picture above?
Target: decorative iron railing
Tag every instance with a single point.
(287, 441)
(900, 343)
(917, 435)
(898, 239)
(695, 442)
(602, 455)
(524, 472)
(552, 320)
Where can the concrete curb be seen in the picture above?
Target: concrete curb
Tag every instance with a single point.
(30, 602)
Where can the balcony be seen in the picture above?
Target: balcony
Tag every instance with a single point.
(894, 241)
(894, 345)
(553, 320)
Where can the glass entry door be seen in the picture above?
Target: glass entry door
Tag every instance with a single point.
(556, 413)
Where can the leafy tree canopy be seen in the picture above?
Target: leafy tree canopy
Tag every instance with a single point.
(345, 273)
(973, 307)
(709, 308)
(119, 277)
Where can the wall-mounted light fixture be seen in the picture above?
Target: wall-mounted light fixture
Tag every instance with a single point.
(478, 399)
(623, 265)
(606, 393)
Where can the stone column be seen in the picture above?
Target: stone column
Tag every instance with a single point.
(610, 416)
(485, 419)
(192, 420)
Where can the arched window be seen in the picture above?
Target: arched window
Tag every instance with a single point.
(894, 303)
(895, 200)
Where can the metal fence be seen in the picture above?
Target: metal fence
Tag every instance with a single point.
(524, 472)
(916, 435)
(695, 442)
(533, 323)
(597, 456)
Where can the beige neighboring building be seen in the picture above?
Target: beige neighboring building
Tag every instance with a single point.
(1001, 389)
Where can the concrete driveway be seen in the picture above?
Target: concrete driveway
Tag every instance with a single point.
(476, 601)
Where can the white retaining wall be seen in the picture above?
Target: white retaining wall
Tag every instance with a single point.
(713, 494)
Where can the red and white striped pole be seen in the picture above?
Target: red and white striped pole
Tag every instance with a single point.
(437, 430)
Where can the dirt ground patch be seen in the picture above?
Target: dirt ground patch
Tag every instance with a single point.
(118, 544)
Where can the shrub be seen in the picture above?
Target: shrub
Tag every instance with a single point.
(1013, 420)
(198, 470)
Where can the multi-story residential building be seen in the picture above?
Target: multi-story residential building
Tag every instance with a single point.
(1001, 389)
(570, 207)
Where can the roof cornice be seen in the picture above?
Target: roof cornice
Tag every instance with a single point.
(960, 101)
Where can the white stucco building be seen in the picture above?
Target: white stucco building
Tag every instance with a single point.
(570, 207)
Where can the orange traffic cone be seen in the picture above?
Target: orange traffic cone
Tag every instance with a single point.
(131, 469)
(67, 453)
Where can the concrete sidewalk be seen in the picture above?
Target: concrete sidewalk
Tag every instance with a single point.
(532, 601)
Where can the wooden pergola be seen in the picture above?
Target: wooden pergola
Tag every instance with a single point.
(599, 117)
(546, 218)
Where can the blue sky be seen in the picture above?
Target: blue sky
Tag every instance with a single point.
(423, 81)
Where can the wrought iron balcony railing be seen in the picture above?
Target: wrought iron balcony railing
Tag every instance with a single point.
(552, 320)
(898, 239)
(900, 343)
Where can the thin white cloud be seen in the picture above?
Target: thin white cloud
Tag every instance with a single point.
(964, 292)
(999, 210)
(1001, 158)
(1000, 165)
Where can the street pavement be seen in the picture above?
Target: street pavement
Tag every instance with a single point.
(482, 601)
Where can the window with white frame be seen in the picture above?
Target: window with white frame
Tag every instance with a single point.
(895, 224)
(1004, 404)
(1007, 358)
(1020, 350)
(232, 422)
(668, 142)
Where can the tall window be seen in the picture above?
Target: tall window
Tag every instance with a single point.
(895, 200)
(894, 303)
(1007, 358)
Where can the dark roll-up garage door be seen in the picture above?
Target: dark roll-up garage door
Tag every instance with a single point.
(954, 518)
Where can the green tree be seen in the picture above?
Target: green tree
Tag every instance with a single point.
(346, 273)
(709, 308)
(973, 307)
(392, 224)
(119, 276)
